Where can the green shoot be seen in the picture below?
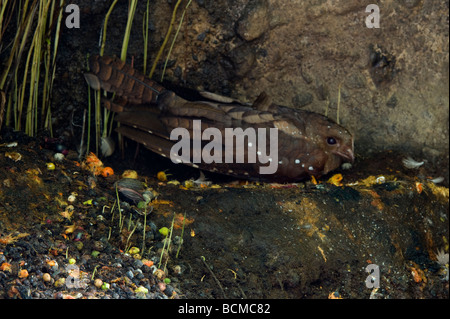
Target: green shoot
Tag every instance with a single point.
(174, 39)
(169, 31)
(182, 233)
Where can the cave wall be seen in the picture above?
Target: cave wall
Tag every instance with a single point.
(393, 80)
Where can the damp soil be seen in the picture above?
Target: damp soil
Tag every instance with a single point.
(229, 239)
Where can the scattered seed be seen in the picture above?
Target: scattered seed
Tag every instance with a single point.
(46, 277)
(98, 283)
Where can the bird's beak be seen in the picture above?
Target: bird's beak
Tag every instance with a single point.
(346, 153)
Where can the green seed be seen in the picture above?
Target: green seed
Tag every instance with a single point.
(60, 282)
(79, 245)
(141, 290)
(141, 205)
(133, 250)
(105, 286)
(164, 231)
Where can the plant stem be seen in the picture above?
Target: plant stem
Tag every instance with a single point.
(182, 233)
(214, 276)
(166, 242)
(174, 39)
(143, 233)
(89, 116)
(128, 239)
(105, 25)
(145, 24)
(120, 211)
(126, 38)
(169, 31)
(338, 103)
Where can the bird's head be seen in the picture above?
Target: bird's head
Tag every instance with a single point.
(334, 140)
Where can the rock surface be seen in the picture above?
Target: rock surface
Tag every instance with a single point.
(393, 80)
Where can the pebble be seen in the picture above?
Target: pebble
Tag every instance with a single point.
(243, 59)
(177, 270)
(201, 36)
(55, 269)
(159, 273)
(302, 99)
(58, 157)
(58, 295)
(162, 286)
(177, 240)
(392, 102)
(115, 295)
(98, 245)
(255, 21)
(48, 278)
(169, 291)
(138, 263)
(138, 274)
(129, 274)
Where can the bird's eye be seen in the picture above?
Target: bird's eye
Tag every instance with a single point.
(331, 140)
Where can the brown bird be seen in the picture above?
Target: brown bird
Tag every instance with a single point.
(261, 141)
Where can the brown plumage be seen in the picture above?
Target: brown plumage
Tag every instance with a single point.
(308, 143)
